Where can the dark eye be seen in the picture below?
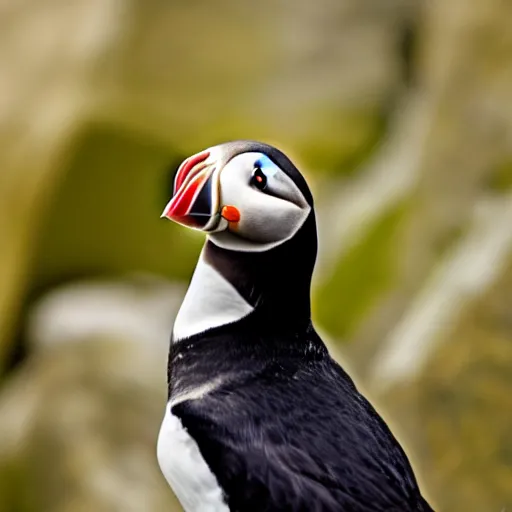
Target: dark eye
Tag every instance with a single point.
(258, 179)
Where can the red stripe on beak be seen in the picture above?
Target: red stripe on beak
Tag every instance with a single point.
(187, 166)
(180, 204)
(192, 205)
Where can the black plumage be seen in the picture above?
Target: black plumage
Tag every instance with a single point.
(287, 429)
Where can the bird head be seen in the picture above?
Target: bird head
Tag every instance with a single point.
(247, 196)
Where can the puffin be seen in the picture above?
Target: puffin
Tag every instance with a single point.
(260, 417)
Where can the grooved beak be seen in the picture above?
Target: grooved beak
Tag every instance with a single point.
(195, 200)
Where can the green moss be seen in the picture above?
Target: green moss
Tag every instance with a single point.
(360, 278)
(105, 214)
(447, 239)
(329, 140)
(501, 177)
(347, 139)
(15, 496)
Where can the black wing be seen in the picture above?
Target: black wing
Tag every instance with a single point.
(301, 439)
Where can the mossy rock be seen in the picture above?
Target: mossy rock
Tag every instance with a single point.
(347, 138)
(501, 179)
(456, 413)
(83, 421)
(105, 213)
(360, 277)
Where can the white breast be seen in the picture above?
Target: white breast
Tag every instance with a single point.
(185, 469)
(210, 301)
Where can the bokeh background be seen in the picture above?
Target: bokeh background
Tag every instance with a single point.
(400, 114)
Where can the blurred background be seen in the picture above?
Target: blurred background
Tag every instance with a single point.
(399, 112)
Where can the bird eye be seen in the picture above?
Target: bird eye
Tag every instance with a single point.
(258, 179)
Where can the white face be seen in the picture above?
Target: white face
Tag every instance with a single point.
(246, 203)
(272, 208)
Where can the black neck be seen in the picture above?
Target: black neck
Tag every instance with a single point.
(276, 282)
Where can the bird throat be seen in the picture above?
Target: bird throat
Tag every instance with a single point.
(210, 301)
(273, 287)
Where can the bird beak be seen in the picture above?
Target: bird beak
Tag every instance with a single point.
(196, 195)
